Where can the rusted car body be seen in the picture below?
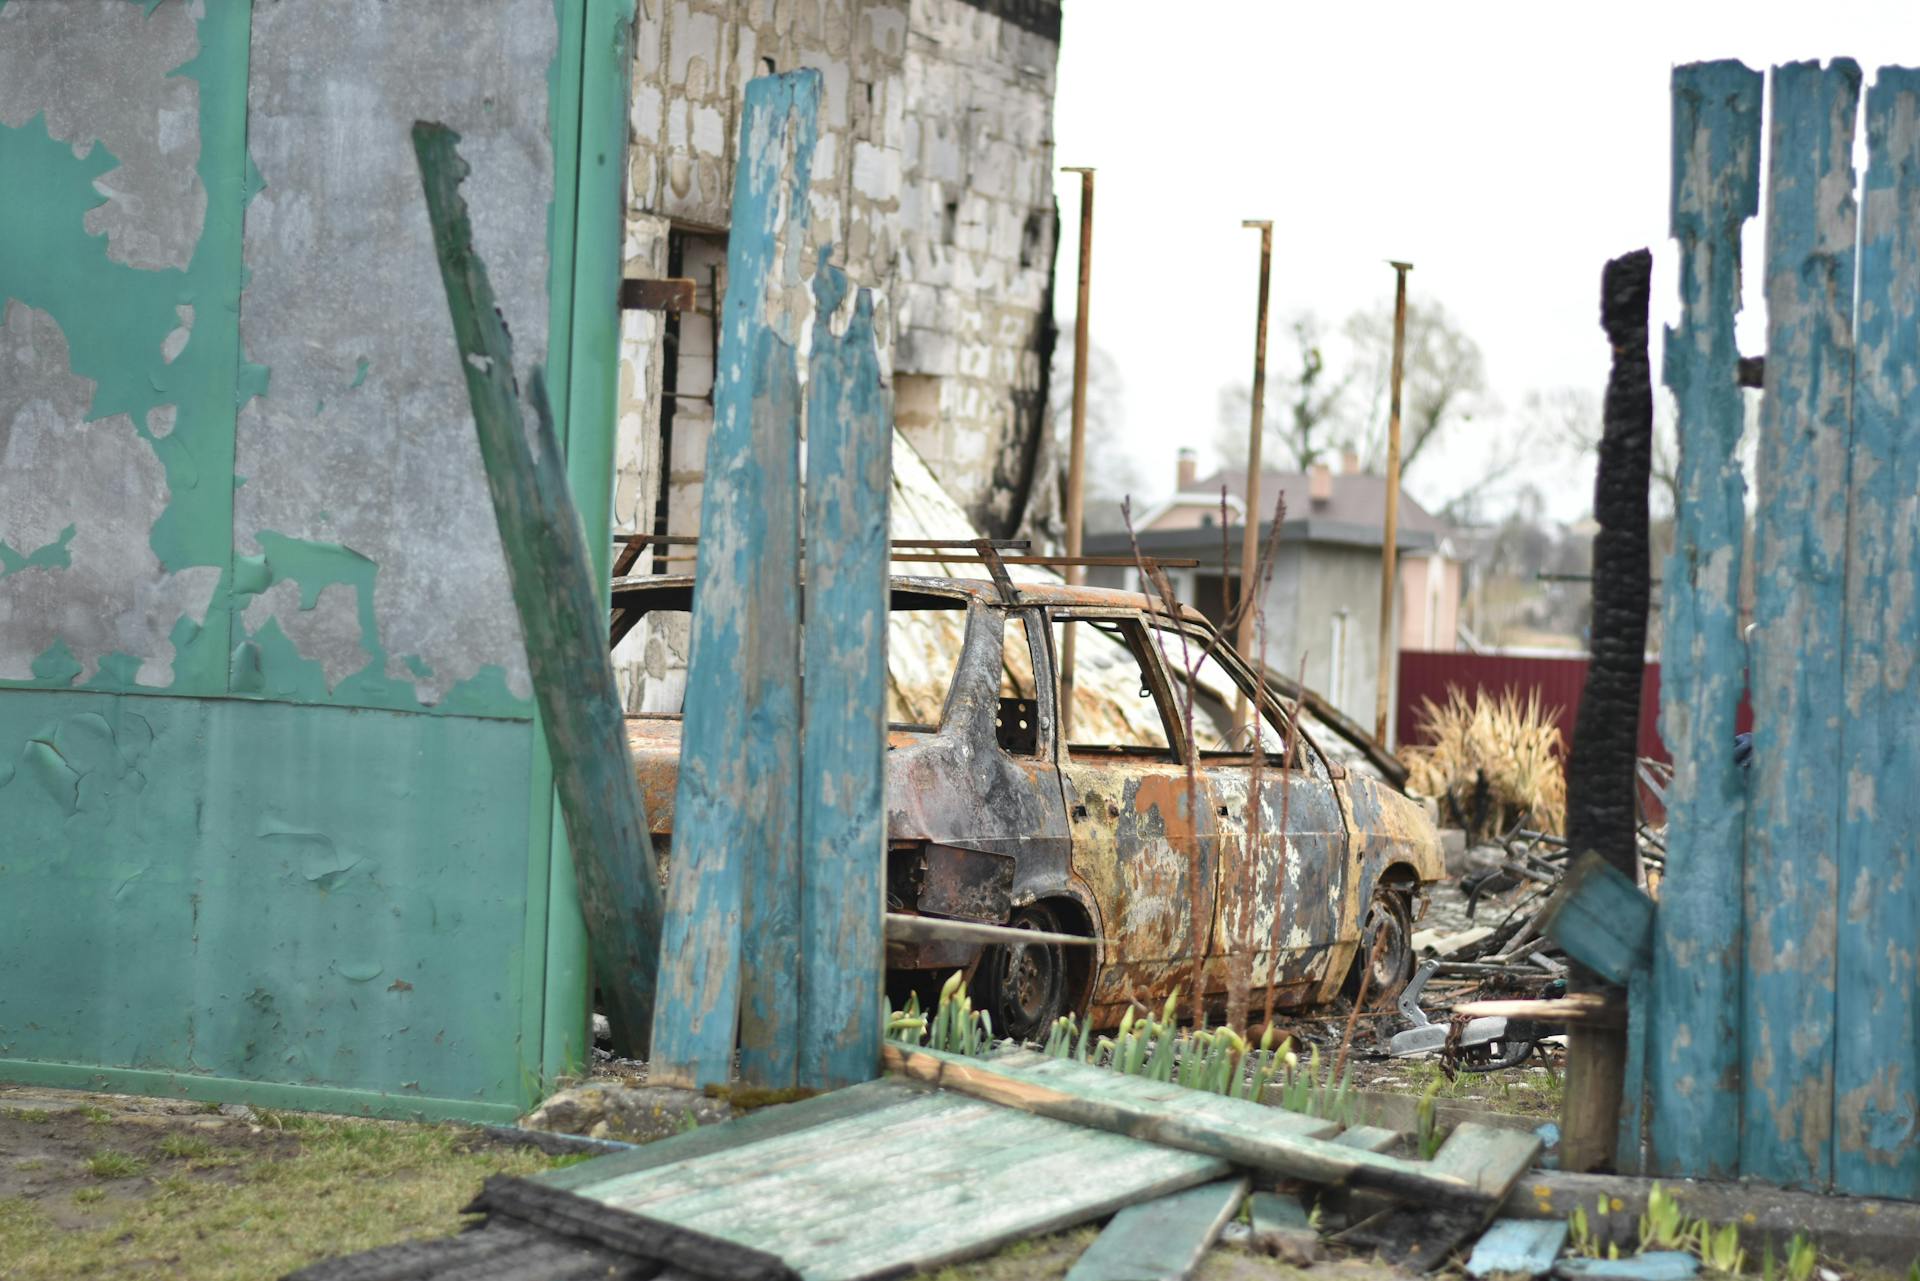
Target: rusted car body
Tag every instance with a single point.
(994, 815)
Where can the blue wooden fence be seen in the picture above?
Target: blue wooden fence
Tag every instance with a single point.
(767, 931)
(1775, 1008)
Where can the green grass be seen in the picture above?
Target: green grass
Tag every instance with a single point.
(340, 1187)
(185, 1146)
(87, 1196)
(96, 1115)
(108, 1164)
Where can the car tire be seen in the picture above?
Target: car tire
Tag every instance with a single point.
(1388, 922)
(1024, 987)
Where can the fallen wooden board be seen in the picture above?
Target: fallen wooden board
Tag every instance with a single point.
(1161, 1240)
(1372, 1138)
(1518, 1246)
(1661, 1265)
(1245, 1133)
(879, 1187)
(1281, 1226)
(1421, 1236)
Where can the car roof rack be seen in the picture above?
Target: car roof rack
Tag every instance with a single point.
(995, 553)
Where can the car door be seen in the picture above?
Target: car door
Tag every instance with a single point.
(1280, 910)
(1141, 843)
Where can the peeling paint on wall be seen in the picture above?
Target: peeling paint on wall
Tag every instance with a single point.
(58, 560)
(117, 87)
(336, 233)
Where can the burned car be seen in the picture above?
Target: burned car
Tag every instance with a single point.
(998, 813)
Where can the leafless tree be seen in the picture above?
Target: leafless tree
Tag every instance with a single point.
(1305, 424)
(1111, 471)
(1444, 379)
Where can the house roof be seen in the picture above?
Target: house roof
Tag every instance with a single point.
(1352, 516)
(1359, 498)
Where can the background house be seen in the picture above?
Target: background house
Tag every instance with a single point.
(1322, 602)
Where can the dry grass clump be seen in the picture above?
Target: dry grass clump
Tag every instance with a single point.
(1491, 762)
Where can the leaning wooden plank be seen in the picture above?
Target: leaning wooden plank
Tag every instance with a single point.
(843, 810)
(1601, 919)
(1794, 661)
(1876, 1080)
(1163, 1239)
(956, 1177)
(1518, 1247)
(733, 909)
(866, 1101)
(1493, 1157)
(1693, 1043)
(1260, 1144)
(551, 573)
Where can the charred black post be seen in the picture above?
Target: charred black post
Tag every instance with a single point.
(1600, 773)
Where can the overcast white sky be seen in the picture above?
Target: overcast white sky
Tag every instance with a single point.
(1506, 150)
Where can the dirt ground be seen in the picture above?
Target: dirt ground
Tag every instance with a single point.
(96, 1185)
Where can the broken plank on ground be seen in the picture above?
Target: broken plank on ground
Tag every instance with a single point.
(1526, 1247)
(1422, 1236)
(808, 1193)
(1237, 1130)
(1163, 1239)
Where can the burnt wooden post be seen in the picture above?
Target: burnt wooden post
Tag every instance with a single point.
(1693, 1032)
(1800, 555)
(1601, 771)
(843, 804)
(731, 947)
(1876, 1075)
(561, 619)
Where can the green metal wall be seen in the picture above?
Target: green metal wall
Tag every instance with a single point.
(275, 814)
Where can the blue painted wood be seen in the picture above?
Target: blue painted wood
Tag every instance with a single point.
(1161, 1240)
(1656, 1265)
(1524, 1246)
(1601, 919)
(843, 832)
(735, 842)
(1877, 1024)
(1693, 1033)
(1800, 557)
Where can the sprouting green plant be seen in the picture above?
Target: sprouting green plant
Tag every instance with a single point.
(1584, 1234)
(1315, 1094)
(1720, 1249)
(1801, 1258)
(1663, 1226)
(908, 1026)
(1426, 1125)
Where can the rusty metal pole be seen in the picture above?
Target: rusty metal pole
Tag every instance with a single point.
(1077, 442)
(1391, 532)
(1250, 516)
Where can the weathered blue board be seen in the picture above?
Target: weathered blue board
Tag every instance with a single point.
(1876, 1074)
(1694, 1038)
(731, 940)
(1781, 1017)
(843, 826)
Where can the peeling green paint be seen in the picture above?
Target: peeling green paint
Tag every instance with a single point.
(117, 318)
(52, 556)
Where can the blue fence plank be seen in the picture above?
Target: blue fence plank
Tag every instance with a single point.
(1877, 1025)
(843, 827)
(1693, 1043)
(1794, 658)
(731, 939)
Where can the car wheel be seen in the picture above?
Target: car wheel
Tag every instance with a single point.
(1386, 947)
(1025, 985)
